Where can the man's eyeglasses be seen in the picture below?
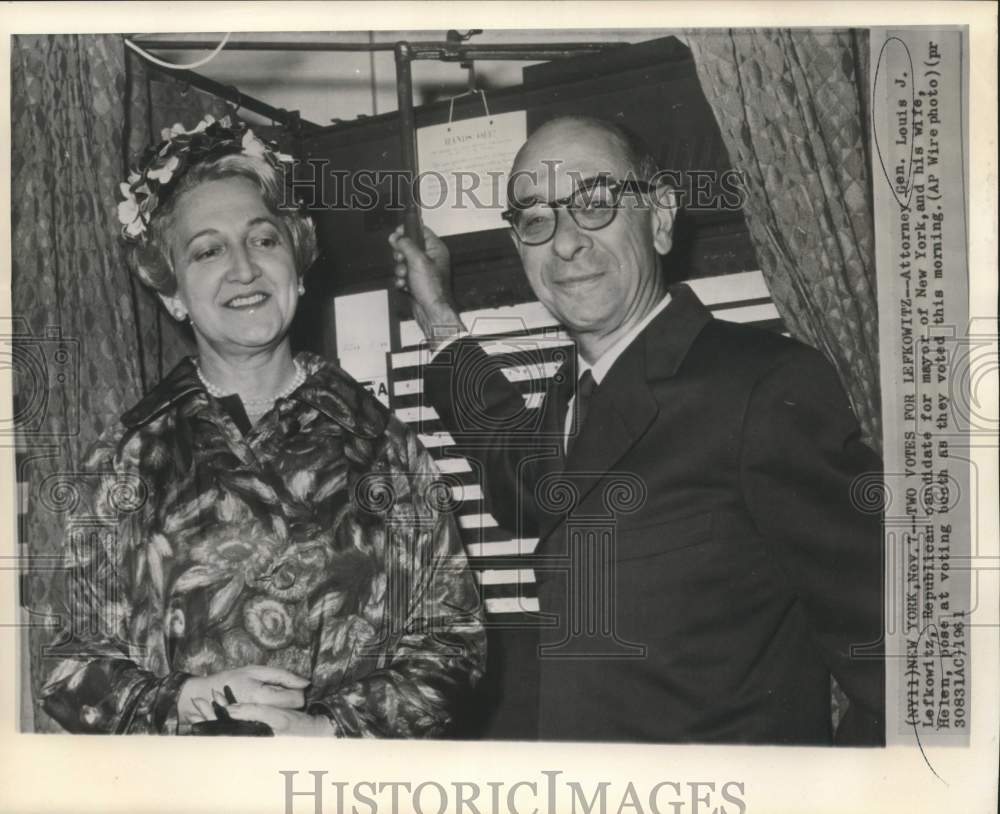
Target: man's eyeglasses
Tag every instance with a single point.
(592, 206)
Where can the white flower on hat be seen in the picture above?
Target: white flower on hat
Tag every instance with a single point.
(255, 148)
(166, 172)
(170, 133)
(128, 213)
(252, 145)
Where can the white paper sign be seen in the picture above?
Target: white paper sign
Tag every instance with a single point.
(363, 339)
(464, 167)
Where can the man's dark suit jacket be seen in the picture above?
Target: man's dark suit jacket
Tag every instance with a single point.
(739, 572)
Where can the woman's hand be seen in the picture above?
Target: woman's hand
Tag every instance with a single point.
(283, 721)
(426, 275)
(254, 684)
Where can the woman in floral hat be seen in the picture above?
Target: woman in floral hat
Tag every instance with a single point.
(277, 554)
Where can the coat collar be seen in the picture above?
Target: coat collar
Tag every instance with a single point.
(669, 337)
(327, 388)
(178, 385)
(335, 394)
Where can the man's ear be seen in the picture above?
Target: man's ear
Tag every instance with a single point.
(174, 306)
(663, 214)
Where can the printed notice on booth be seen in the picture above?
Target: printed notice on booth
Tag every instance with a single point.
(464, 166)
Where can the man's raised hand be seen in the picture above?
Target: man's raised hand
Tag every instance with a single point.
(426, 276)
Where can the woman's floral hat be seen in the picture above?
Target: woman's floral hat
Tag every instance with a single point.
(148, 186)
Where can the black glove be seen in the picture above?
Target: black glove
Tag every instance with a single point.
(226, 725)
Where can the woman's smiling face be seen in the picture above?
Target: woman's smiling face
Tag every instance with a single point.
(235, 268)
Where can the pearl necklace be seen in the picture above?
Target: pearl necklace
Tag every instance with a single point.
(256, 407)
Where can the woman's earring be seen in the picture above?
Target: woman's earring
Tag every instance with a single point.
(302, 288)
(179, 314)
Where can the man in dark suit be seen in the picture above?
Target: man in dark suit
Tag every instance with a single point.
(699, 551)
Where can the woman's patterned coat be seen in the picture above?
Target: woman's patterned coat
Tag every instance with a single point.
(322, 542)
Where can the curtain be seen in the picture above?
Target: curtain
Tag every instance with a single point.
(792, 106)
(88, 339)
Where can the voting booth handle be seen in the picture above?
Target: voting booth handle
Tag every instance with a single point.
(404, 54)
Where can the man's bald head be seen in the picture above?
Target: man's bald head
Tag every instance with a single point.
(627, 146)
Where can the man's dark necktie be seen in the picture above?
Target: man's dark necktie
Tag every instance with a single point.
(585, 387)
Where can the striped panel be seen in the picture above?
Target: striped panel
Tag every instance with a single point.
(506, 576)
(505, 606)
(503, 548)
(477, 521)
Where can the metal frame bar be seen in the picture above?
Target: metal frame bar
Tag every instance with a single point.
(444, 51)
(289, 118)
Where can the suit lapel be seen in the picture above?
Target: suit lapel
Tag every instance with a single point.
(623, 407)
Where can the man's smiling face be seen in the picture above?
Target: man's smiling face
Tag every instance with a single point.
(594, 282)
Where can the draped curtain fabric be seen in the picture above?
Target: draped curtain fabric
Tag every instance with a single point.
(792, 106)
(88, 340)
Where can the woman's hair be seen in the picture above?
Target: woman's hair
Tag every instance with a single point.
(151, 259)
